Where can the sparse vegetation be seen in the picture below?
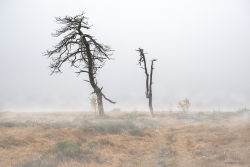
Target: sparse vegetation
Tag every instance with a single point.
(184, 105)
(149, 122)
(243, 110)
(92, 144)
(100, 142)
(12, 124)
(105, 142)
(43, 162)
(114, 127)
(132, 116)
(69, 149)
(72, 140)
(66, 148)
(136, 132)
(93, 103)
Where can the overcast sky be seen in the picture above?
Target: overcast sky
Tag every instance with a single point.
(202, 50)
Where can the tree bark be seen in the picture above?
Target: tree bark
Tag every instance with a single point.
(87, 54)
(150, 106)
(97, 90)
(148, 81)
(150, 89)
(99, 102)
(146, 72)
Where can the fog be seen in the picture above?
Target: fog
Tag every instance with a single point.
(202, 51)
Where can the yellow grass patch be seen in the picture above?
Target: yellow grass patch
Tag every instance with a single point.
(70, 139)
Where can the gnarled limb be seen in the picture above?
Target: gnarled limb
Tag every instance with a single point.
(107, 99)
(88, 55)
(143, 60)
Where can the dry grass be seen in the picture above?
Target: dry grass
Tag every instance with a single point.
(124, 139)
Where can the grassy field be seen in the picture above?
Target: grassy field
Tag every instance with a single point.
(124, 139)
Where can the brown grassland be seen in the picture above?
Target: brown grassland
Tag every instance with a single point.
(124, 139)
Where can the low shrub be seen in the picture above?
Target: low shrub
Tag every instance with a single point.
(228, 114)
(67, 148)
(100, 142)
(136, 132)
(13, 124)
(80, 121)
(44, 162)
(62, 124)
(149, 122)
(105, 142)
(92, 144)
(243, 110)
(132, 116)
(83, 140)
(114, 127)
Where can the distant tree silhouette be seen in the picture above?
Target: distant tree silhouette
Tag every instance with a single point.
(81, 50)
(149, 81)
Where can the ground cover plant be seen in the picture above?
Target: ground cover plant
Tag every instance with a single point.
(124, 139)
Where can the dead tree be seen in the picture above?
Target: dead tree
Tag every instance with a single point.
(81, 50)
(149, 80)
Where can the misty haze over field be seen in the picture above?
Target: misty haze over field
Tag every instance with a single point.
(202, 50)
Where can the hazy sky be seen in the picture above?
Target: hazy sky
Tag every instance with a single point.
(202, 47)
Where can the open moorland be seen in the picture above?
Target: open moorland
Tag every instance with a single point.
(124, 139)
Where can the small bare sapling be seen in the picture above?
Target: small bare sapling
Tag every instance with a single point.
(93, 103)
(184, 105)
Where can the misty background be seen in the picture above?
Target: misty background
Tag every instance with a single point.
(202, 50)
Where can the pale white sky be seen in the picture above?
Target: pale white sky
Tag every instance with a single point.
(202, 47)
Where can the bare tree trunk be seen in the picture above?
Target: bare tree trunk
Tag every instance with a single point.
(99, 102)
(150, 89)
(88, 55)
(148, 85)
(97, 90)
(150, 105)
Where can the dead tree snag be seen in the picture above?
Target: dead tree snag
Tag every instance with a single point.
(81, 50)
(149, 80)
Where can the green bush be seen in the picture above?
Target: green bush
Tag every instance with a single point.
(70, 150)
(67, 148)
